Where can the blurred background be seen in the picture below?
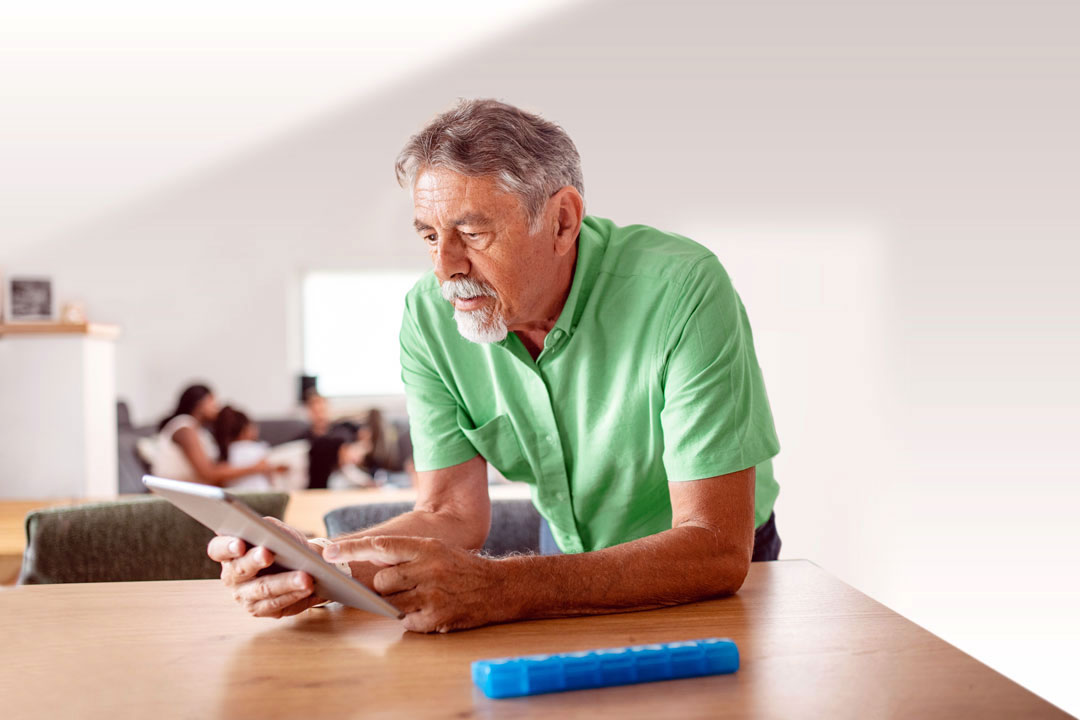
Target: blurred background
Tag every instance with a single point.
(894, 188)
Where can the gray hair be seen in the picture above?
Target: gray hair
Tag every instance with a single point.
(526, 154)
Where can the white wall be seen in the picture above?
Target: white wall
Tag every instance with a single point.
(103, 101)
(892, 185)
(58, 416)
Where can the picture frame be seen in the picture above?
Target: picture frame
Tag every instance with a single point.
(29, 298)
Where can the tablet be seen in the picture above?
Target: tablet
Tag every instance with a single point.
(225, 514)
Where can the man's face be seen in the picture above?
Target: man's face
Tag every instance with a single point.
(489, 265)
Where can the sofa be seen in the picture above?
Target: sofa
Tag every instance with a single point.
(139, 538)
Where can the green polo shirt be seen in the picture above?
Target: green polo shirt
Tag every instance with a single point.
(649, 376)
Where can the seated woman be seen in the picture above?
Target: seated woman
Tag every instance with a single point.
(351, 452)
(333, 462)
(384, 447)
(238, 443)
(185, 450)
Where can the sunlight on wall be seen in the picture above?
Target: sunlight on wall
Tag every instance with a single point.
(814, 297)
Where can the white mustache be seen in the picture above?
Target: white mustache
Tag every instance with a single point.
(465, 288)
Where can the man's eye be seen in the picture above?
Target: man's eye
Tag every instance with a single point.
(472, 236)
(430, 239)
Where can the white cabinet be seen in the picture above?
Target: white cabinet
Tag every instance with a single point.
(57, 411)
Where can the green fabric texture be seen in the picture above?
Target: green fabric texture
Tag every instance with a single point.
(648, 376)
(144, 538)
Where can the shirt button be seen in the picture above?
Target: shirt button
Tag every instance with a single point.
(560, 496)
(550, 439)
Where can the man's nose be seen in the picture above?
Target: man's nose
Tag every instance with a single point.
(450, 260)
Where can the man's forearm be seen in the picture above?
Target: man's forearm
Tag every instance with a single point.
(416, 523)
(680, 565)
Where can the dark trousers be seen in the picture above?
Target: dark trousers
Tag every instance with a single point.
(766, 541)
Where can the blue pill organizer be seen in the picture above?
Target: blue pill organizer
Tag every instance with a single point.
(536, 674)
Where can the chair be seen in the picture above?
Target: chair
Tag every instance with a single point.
(515, 524)
(143, 538)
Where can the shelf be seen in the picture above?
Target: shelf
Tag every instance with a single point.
(99, 330)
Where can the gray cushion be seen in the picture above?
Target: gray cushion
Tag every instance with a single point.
(142, 538)
(515, 524)
(130, 466)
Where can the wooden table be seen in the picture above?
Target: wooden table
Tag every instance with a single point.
(305, 511)
(811, 647)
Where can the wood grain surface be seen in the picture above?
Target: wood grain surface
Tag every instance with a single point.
(101, 330)
(811, 647)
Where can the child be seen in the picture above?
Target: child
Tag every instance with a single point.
(238, 443)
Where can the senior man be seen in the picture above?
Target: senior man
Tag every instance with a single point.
(612, 368)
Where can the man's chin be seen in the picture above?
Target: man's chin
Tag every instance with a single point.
(479, 327)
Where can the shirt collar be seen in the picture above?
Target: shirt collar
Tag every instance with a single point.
(590, 253)
(591, 244)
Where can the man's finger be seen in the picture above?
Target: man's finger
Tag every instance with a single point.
(378, 549)
(393, 579)
(408, 601)
(420, 622)
(223, 548)
(276, 606)
(268, 587)
(248, 566)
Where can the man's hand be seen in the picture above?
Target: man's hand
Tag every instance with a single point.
(439, 588)
(277, 595)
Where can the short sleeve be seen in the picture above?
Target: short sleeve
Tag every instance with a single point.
(437, 439)
(180, 421)
(716, 418)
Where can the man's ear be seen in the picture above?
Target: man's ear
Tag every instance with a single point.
(569, 209)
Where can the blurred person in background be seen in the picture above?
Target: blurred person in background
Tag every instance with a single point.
(339, 447)
(318, 413)
(334, 447)
(334, 460)
(386, 451)
(237, 438)
(185, 449)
